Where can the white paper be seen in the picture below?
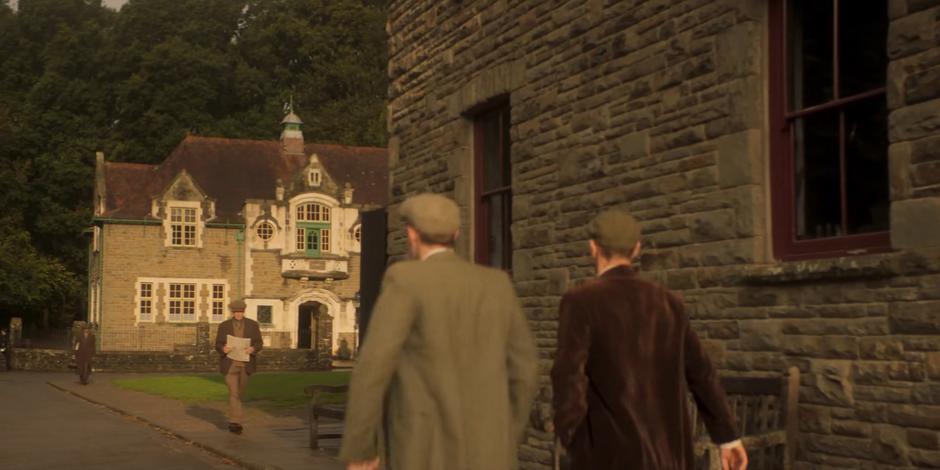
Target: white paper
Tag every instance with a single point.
(238, 348)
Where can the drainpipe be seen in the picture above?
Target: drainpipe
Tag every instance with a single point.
(91, 252)
(100, 288)
(240, 238)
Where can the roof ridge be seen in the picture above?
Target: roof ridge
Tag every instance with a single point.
(346, 146)
(131, 164)
(227, 139)
(275, 141)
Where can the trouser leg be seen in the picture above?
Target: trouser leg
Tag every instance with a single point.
(235, 389)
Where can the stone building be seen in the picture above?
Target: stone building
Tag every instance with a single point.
(782, 156)
(277, 223)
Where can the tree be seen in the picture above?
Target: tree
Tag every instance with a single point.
(79, 78)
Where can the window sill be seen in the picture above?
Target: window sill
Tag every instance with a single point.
(868, 266)
(316, 275)
(327, 256)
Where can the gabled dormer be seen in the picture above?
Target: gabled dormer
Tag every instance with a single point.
(314, 178)
(184, 209)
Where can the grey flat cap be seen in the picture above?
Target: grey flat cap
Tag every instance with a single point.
(615, 230)
(435, 217)
(237, 305)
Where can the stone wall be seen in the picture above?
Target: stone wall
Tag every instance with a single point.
(660, 106)
(131, 252)
(48, 360)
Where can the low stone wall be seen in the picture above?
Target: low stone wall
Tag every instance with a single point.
(47, 360)
(41, 360)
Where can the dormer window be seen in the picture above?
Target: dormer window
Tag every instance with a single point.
(183, 226)
(314, 178)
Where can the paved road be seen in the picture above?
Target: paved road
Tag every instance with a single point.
(44, 428)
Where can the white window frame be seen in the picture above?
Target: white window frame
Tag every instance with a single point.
(273, 231)
(336, 215)
(217, 302)
(196, 224)
(182, 302)
(325, 214)
(315, 178)
(146, 300)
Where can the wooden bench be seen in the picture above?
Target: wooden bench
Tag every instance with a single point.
(318, 409)
(767, 411)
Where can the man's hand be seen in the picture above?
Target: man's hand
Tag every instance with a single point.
(734, 458)
(364, 465)
(251, 349)
(226, 349)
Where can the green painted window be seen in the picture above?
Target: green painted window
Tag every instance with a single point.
(313, 239)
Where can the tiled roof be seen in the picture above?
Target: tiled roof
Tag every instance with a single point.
(233, 170)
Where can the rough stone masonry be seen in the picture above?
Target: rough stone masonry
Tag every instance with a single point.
(661, 106)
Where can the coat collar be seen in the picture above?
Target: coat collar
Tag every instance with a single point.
(444, 255)
(619, 271)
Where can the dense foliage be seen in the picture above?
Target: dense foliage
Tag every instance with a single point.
(76, 77)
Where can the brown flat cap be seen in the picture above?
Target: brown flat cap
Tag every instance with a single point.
(237, 305)
(615, 230)
(435, 217)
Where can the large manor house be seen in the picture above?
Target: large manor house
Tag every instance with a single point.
(277, 223)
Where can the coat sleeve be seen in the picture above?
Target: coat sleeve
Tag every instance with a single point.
(521, 361)
(705, 383)
(256, 341)
(221, 336)
(569, 378)
(390, 326)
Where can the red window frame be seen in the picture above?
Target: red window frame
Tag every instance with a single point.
(483, 197)
(785, 243)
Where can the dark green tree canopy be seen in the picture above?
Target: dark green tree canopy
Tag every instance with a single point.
(78, 78)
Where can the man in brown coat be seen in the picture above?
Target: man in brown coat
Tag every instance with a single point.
(84, 352)
(447, 373)
(626, 360)
(236, 372)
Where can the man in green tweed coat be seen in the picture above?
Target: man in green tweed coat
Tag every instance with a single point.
(447, 374)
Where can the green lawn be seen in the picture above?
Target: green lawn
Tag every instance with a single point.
(274, 389)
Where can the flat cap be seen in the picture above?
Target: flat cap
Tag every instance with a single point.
(435, 217)
(615, 230)
(237, 305)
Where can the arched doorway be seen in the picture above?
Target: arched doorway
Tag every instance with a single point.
(309, 324)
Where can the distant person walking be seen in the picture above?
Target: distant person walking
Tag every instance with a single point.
(625, 363)
(446, 376)
(84, 353)
(6, 347)
(236, 371)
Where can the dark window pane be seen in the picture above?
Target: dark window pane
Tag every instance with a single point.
(264, 314)
(863, 57)
(495, 230)
(492, 162)
(818, 203)
(313, 239)
(866, 165)
(811, 52)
